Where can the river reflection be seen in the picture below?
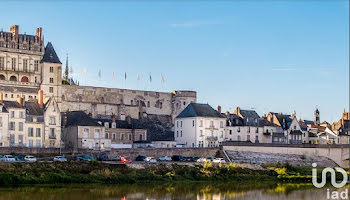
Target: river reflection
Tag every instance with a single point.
(198, 191)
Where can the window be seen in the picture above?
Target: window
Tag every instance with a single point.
(2, 63)
(38, 143)
(248, 137)
(221, 124)
(36, 65)
(86, 133)
(177, 123)
(20, 126)
(248, 129)
(12, 114)
(30, 143)
(21, 114)
(38, 132)
(256, 138)
(52, 121)
(97, 133)
(51, 80)
(132, 102)
(51, 89)
(13, 66)
(113, 136)
(141, 137)
(52, 133)
(106, 135)
(122, 136)
(35, 79)
(51, 69)
(180, 123)
(130, 137)
(114, 125)
(30, 132)
(12, 126)
(230, 132)
(238, 129)
(160, 105)
(0, 121)
(257, 130)
(222, 134)
(238, 138)
(201, 133)
(177, 133)
(295, 127)
(211, 124)
(193, 123)
(181, 133)
(106, 124)
(25, 65)
(201, 123)
(148, 104)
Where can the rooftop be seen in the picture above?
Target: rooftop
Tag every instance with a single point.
(199, 110)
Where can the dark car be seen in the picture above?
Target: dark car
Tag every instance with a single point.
(188, 159)
(140, 158)
(178, 158)
(20, 158)
(103, 157)
(194, 159)
(84, 158)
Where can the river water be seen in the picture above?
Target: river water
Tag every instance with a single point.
(199, 191)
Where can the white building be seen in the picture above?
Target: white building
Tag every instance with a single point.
(199, 125)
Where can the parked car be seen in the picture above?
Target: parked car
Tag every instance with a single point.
(103, 157)
(60, 159)
(140, 158)
(165, 158)
(9, 158)
(123, 159)
(116, 158)
(147, 159)
(29, 158)
(188, 159)
(211, 159)
(152, 160)
(195, 159)
(20, 158)
(84, 158)
(200, 160)
(177, 158)
(219, 160)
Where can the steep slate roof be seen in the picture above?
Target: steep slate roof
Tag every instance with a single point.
(33, 108)
(284, 118)
(78, 118)
(199, 110)
(249, 114)
(12, 104)
(50, 55)
(135, 124)
(265, 122)
(296, 132)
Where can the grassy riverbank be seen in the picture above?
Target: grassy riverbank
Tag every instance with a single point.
(14, 174)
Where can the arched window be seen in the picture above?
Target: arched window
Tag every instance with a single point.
(2, 77)
(140, 137)
(24, 79)
(13, 78)
(63, 98)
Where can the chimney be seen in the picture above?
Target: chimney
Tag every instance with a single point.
(219, 109)
(113, 117)
(1, 97)
(39, 32)
(90, 114)
(20, 100)
(41, 98)
(14, 29)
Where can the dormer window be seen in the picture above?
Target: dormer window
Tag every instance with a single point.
(114, 125)
(106, 124)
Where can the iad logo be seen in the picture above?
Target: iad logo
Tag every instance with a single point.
(333, 194)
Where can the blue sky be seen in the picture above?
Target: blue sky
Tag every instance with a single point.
(275, 56)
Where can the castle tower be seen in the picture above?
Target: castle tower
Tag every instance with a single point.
(317, 117)
(51, 74)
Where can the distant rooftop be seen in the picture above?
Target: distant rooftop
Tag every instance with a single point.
(199, 110)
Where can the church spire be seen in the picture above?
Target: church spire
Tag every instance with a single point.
(66, 71)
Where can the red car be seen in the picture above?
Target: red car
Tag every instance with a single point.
(123, 159)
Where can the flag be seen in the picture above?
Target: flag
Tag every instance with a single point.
(84, 70)
(150, 78)
(99, 73)
(112, 74)
(138, 76)
(125, 76)
(161, 78)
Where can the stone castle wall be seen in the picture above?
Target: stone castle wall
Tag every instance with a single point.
(136, 104)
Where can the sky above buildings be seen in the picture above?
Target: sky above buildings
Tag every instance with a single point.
(275, 56)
